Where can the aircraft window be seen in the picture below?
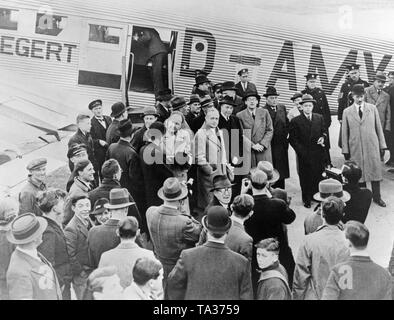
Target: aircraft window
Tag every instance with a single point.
(104, 34)
(50, 24)
(8, 19)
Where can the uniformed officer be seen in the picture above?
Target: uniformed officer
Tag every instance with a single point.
(345, 98)
(321, 107)
(244, 84)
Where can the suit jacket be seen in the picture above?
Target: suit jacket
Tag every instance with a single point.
(249, 87)
(382, 103)
(132, 178)
(27, 197)
(358, 278)
(358, 206)
(163, 113)
(76, 233)
(345, 98)
(112, 135)
(239, 241)
(100, 239)
(138, 139)
(78, 188)
(197, 122)
(189, 119)
(98, 132)
(321, 106)
(279, 142)
(154, 172)
(261, 131)
(87, 140)
(232, 132)
(29, 278)
(123, 257)
(210, 272)
(171, 232)
(54, 249)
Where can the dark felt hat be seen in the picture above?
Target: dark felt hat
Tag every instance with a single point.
(228, 85)
(295, 96)
(194, 98)
(217, 86)
(164, 95)
(217, 220)
(242, 71)
(307, 98)
(36, 164)
(117, 109)
(201, 79)
(76, 149)
(99, 207)
(270, 91)
(358, 90)
(199, 72)
(177, 102)
(125, 127)
(380, 76)
(250, 93)
(150, 111)
(206, 101)
(227, 100)
(95, 103)
(221, 182)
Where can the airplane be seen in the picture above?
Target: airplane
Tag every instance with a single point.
(57, 56)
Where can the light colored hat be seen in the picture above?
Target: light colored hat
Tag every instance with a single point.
(36, 164)
(172, 190)
(26, 228)
(272, 174)
(331, 187)
(118, 198)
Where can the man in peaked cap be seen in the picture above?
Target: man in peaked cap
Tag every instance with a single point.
(279, 143)
(98, 131)
(307, 135)
(244, 85)
(381, 99)
(229, 89)
(163, 105)
(321, 106)
(149, 116)
(35, 183)
(363, 140)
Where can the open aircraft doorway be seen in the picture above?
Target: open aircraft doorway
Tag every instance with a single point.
(152, 57)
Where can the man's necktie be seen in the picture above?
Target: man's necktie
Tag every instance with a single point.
(379, 91)
(360, 112)
(254, 117)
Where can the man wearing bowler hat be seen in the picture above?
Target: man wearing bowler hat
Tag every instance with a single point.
(244, 85)
(297, 108)
(170, 228)
(129, 161)
(149, 116)
(222, 274)
(321, 107)
(30, 275)
(229, 89)
(98, 130)
(119, 113)
(363, 140)
(381, 99)
(178, 103)
(195, 109)
(202, 86)
(307, 135)
(279, 142)
(35, 183)
(163, 105)
(103, 238)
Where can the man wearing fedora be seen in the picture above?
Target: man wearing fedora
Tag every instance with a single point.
(321, 106)
(363, 140)
(103, 238)
(195, 109)
(222, 192)
(163, 105)
(149, 116)
(129, 161)
(319, 252)
(381, 99)
(297, 107)
(222, 274)
(98, 130)
(211, 159)
(244, 85)
(178, 103)
(206, 103)
(171, 229)
(229, 89)
(279, 142)
(327, 188)
(202, 86)
(35, 183)
(76, 233)
(83, 136)
(119, 113)
(257, 130)
(30, 275)
(269, 214)
(307, 135)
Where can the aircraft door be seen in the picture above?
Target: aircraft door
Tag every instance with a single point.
(152, 56)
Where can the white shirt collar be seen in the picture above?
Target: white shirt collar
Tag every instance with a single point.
(32, 253)
(215, 240)
(224, 116)
(360, 253)
(236, 219)
(358, 106)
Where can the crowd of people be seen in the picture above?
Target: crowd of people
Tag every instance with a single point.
(193, 204)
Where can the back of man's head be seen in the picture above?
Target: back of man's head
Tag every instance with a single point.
(146, 269)
(110, 168)
(357, 233)
(128, 228)
(332, 210)
(242, 205)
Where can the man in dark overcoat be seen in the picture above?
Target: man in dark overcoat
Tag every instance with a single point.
(98, 130)
(307, 135)
(321, 107)
(279, 142)
(149, 116)
(119, 113)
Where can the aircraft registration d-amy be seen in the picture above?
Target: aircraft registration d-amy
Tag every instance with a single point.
(57, 56)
